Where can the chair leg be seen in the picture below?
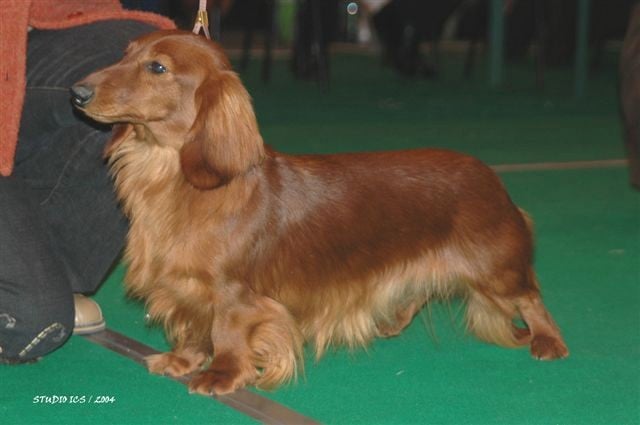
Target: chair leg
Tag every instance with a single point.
(318, 52)
(214, 25)
(470, 58)
(541, 34)
(269, 35)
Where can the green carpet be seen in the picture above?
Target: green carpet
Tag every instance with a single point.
(587, 258)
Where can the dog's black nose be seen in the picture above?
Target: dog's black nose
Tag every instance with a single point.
(81, 94)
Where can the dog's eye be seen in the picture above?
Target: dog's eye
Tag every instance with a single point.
(157, 67)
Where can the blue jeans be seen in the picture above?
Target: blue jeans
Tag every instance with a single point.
(61, 229)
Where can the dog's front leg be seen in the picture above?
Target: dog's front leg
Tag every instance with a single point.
(192, 348)
(255, 342)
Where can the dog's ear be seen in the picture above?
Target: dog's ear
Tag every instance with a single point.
(224, 140)
(119, 133)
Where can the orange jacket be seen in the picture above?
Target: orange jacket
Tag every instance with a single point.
(15, 17)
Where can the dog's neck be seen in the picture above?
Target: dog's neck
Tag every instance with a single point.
(144, 160)
(161, 133)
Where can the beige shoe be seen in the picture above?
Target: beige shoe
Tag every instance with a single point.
(88, 316)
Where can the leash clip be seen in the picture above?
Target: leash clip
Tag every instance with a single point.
(202, 20)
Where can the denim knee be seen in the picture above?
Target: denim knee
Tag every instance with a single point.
(25, 337)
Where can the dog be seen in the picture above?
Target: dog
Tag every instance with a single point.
(245, 254)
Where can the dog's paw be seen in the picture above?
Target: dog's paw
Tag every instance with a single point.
(225, 375)
(217, 382)
(214, 383)
(544, 347)
(174, 364)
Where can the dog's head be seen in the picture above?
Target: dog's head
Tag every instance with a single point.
(178, 90)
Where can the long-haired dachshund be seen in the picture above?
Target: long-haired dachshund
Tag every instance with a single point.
(244, 253)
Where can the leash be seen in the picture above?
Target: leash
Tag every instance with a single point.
(244, 401)
(202, 20)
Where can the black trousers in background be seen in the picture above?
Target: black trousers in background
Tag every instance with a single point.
(61, 229)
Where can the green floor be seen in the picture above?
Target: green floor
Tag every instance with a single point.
(587, 258)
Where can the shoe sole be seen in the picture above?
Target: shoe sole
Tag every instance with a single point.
(89, 329)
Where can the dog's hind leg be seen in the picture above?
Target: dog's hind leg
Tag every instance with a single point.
(403, 317)
(503, 286)
(490, 316)
(546, 341)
